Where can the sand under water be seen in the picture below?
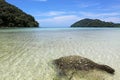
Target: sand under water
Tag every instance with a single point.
(27, 54)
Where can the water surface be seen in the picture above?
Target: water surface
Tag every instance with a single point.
(26, 54)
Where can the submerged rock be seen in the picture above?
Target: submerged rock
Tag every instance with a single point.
(79, 63)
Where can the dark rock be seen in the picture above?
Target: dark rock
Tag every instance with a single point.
(79, 63)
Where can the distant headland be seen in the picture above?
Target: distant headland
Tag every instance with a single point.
(11, 16)
(94, 23)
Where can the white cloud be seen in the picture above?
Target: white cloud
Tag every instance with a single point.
(112, 19)
(59, 21)
(88, 14)
(51, 13)
(41, 0)
(86, 5)
(65, 19)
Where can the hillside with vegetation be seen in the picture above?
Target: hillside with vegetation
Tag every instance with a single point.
(11, 16)
(94, 23)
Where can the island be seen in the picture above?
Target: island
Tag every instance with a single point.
(94, 23)
(11, 16)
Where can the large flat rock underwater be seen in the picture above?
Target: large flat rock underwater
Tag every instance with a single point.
(71, 65)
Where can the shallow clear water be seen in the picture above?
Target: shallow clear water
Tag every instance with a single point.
(27, 54)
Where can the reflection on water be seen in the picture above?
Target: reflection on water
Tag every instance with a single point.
(27, 54)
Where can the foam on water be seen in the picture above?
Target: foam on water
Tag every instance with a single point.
(27, 54)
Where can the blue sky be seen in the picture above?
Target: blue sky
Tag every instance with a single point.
(62, 13)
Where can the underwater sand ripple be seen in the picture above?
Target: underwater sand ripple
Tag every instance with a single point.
(28, 55)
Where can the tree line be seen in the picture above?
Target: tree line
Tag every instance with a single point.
(11, 16)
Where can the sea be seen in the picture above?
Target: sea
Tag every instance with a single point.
(28, 53)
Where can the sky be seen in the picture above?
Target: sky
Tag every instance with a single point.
(63, 13)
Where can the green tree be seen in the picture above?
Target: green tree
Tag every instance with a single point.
(94, 23)
(11, 16)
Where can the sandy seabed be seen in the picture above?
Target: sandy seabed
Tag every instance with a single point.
(28, 54)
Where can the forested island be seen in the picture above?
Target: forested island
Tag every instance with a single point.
(11, 16)
(94, 23)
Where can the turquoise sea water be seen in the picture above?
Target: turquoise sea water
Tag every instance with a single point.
(27, 53)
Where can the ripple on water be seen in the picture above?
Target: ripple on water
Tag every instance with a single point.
(27, 55)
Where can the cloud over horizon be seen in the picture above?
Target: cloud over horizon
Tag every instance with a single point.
(62, 18)
(59, 21)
